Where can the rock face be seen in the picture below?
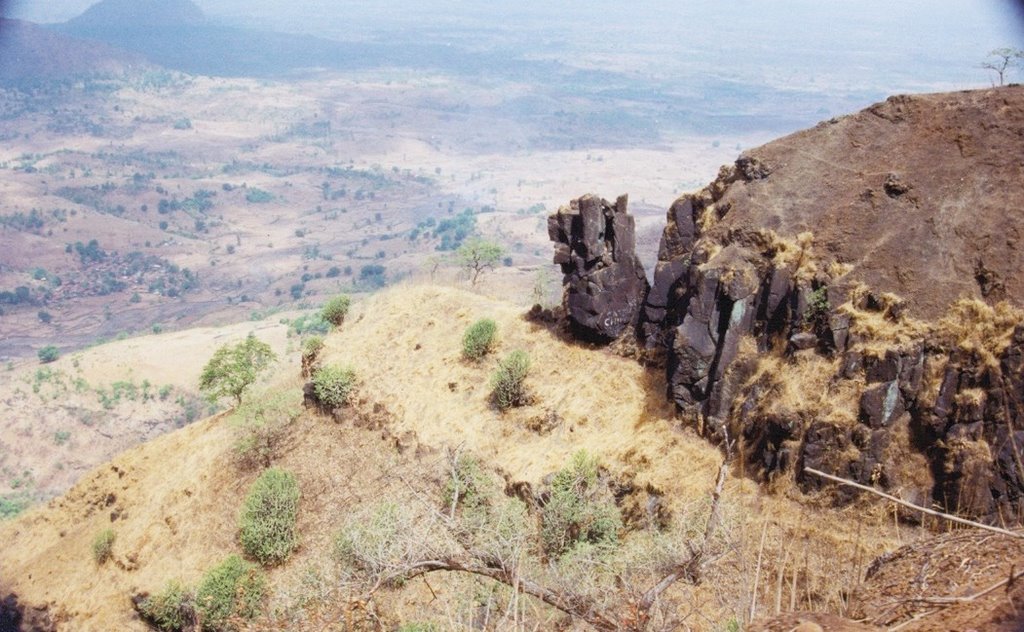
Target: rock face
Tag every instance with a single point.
(604, 280)
(830, 301)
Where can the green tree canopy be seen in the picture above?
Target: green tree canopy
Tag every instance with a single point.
(234, 367)
(477, 255)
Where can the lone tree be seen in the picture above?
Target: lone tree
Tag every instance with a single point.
(234, 367)
(1001, 60)
(477, 255)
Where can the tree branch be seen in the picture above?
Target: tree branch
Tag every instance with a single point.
(571, 605)
(899, 501)
(693, 566)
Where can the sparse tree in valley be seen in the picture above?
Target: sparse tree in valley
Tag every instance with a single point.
(234, 367)
(477, 255)
(1002, 60)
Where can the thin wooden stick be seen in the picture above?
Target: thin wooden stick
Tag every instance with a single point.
(757, 573)
(930, 512)
(792, 588)
(945, 601)
(780, 581)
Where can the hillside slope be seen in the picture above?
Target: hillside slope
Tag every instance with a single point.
(917, 194)
(173, 502)
(31, 53)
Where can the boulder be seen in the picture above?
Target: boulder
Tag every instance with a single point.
(605, 284)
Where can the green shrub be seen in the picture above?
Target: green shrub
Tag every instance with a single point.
(262, 424)
(13, 504)
(170, 610)
(579, 509)
(312, 346)
(258, 196)
(478, 339)
(49, 353)
(418, 627)
(508, 381)
(335, 310)
(234, 589)
(310, 324)
(267, 523)
(103, 545)
(333, 385)
(234, 367)
(468, 487)
(817, 306)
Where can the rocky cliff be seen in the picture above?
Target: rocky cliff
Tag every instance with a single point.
(845, 298)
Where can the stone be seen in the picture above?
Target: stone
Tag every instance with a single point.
(803, 340)
(880, 404)
(605, 283)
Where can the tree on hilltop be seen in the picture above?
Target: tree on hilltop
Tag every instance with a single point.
(234, 367)
(476, 255)
(1002, 60)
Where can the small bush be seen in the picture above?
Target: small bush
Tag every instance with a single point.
(258, 196)
(103, 545)
(310, 324)
(311, 349)
(469, 487)
(312, 346)
(817, 306)
(478, 339)
(267, 523)
(234, 589)
(333, 385)
(12, 504)
(378, 537)
(170, 610)
(508, 381)
(335, 310)
(49, 353)
(262, 424)
(579, 509)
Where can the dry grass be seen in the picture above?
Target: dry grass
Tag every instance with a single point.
(176, 498)
(801, 384)
(980, 329)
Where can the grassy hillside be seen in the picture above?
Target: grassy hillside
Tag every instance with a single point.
(173, 503)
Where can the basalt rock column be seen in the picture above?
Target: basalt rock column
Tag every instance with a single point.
(604, 281)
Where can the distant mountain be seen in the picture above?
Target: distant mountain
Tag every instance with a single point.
(29, 52)
(176, 34)
(139, 14)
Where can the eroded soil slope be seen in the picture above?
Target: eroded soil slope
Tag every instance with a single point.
(920, 194)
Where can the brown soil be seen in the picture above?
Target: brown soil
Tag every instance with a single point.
(918, 194)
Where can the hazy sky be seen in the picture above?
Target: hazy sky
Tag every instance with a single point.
(988, 17)
(936, 44)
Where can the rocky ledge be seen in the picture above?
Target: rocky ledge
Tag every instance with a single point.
(845, 298)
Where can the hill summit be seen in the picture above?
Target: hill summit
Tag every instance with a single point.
(135, 14)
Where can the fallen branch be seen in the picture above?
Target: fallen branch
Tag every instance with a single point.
(930, 512)
(947, 601)
(637, 617)
(570, 605)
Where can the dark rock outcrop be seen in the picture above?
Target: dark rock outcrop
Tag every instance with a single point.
(822, 252)
(604, 281)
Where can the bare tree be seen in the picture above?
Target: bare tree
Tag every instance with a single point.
(1002, 60)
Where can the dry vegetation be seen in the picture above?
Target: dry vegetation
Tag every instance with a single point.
(173, 502)
(275, 194)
